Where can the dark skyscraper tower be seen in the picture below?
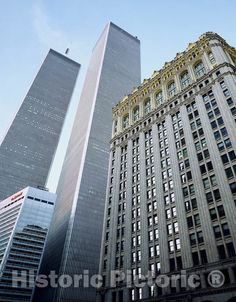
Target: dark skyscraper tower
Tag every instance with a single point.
(27, 151)
(75, 236)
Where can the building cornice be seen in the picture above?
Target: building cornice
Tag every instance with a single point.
(178, 97)
(191, 55)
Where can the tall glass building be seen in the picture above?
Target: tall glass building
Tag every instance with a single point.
(171, 192)
(27, 151)
(24, 222)
(75, 236)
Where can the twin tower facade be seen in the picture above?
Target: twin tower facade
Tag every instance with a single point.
(74, 239)
(27, 151)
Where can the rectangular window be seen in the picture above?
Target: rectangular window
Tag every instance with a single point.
(229, 173)
(213, 180)
(200, 237)
(150, 235)
(229, 101)
(157, 248)
(138, 240)
(176, 227)
(171, 246)
(153, 180)
(233, 111)
(155, 219)
(138, 255)
(190, 222)
(203, 256)
(191, 189)
(187, 206)
(209, 166)
(165, 187)
(156, 233)
(230, 249)
(138, 225)
(168, 214)
(203, 169)
(209, 197)
(213, 214)
(151, 252)
(198, 146)
(220, 121)
(177, 244)
(174, 213)
(154, 205)
(192, 238)
(181, 166)
(221, 146)
(213, 125)
(224, 131)
(166, 199)
(225, 229)
(197, 219)
(221, 251)
(232, 155)
(228, 143)
(217, 135)
(221, 211)
(210, 114)
(206, 183)
(169, 229)
(217, 232)
(185, 191)
(140, 290)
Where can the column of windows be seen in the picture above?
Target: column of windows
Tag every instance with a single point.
(229, 101)
(153, 231)
(136, 212)
(199, 255)
(108, 216)
(220, 227)
(169, 199)
(119, 261)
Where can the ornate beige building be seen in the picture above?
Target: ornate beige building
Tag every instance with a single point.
(171, 191)
(168, 86)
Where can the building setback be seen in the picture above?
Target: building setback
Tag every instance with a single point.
(75, 236)
(172, 179)
(24, 222)
(27, 150)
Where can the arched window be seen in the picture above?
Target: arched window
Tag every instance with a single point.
(171, 89)
(211, 58)
(185, 79)
(147, 106)
(199, 69)
(115, 126)
(159, 97)
(136, 113)
(125, 121)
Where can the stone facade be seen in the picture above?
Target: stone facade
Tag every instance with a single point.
(171, 189)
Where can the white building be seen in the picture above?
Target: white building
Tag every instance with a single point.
(171, 190)
(24, 221)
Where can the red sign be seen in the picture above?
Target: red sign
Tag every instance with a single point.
(16, 196)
